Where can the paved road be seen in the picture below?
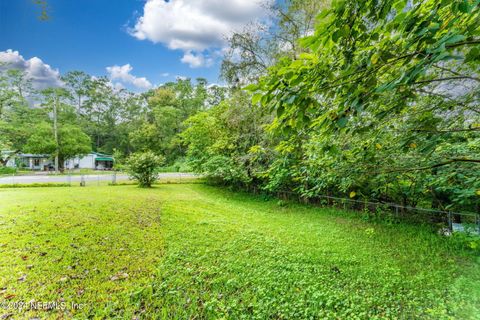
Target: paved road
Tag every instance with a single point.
(77, 178)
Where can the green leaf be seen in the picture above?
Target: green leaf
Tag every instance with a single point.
(473, 54)
(280, 110)
(335, 36)
(256, 98)
(342, 122)
(251, 87)
(399, 5)
(291, 99)
(454, 39)
(464, 7)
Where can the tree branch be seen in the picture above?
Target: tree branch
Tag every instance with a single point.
(443, 79)
(456, 73)
(446, 131)
(437, 165)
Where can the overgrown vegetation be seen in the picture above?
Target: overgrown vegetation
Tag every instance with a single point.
(7, 170)
(179, 251)
(370, 99)
(380, 103)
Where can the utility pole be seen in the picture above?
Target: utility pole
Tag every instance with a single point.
(55, 131)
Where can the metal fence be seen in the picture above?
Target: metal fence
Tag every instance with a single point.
(75, 179)
(454, 221)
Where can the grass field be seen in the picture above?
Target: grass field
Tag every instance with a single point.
(192, 251)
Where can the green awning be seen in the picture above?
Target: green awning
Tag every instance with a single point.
(104, 159)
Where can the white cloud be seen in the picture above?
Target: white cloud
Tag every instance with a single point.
(196, 60)
(40, 73)
(196, 26)
(123, 74)
(117, 86)
(165, 74)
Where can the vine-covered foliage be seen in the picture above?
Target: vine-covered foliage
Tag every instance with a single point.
(382, 103)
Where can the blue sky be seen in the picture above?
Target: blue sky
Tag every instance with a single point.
(159, 40)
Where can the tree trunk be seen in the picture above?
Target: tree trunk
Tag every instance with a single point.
(61, 163)
(55, 132)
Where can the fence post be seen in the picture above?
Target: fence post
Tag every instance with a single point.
(82, 181)
(450, 225)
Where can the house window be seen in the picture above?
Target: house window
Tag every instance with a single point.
(36, 162)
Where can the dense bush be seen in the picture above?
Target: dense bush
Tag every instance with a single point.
(143, 167)
(219, 140)
(7, 170)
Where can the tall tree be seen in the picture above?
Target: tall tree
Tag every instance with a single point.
(78, 83)
(16, 116)
(57, 133)
(260, 45)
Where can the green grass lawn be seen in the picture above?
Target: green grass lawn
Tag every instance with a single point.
(192, 251)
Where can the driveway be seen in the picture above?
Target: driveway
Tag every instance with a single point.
(77, 178)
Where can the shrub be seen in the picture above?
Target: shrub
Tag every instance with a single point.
(143, 167)
(7, 170)
(467, 241)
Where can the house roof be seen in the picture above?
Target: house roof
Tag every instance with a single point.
(104, 159)
(31, 155)
(99, 154)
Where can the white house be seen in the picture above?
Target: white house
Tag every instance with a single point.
(45, 162)
(29, 161)
(93, 160)
(42, 162)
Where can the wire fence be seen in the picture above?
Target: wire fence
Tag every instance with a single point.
(452, 221)
(83, 180)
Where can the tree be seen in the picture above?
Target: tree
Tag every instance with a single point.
(259, 46)
(383, 100)
(72, 141)
(143, 167)
(167, 108)
(56, 133)
(364, 52)
(43, 4)
(379, 102)
(218, 141)
(16, 117)
(78, 83)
